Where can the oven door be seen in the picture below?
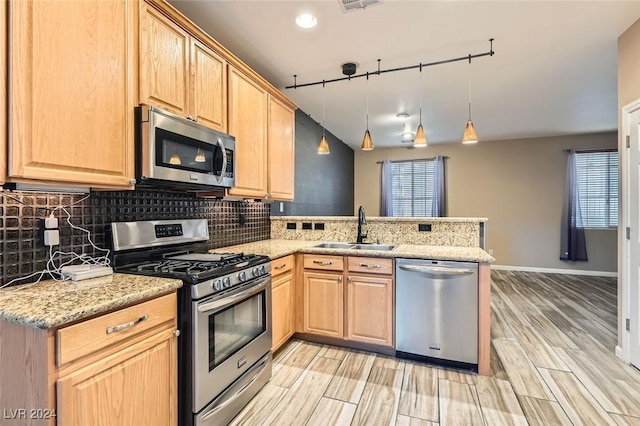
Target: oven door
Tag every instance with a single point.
(232, 332)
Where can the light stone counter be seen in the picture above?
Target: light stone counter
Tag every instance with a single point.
(277, 248)
(50, 303)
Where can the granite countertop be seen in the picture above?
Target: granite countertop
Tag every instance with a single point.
(448, 219)
(50, 303)
(279, 248)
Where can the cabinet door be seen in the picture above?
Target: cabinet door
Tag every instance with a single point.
(136, 386)
(282, 309)
(370, 309)
(3, 95)
(208, 87)
(164, 62)
(323, 304)
(72, 80)
(281, 150)
(248, 123)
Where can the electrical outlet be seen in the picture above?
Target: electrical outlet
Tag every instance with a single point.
(281, 207)
(491, 252)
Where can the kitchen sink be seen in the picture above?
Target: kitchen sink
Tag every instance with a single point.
(339, 246)
(353, 246)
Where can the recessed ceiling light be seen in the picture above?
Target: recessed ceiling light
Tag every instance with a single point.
(306, 20)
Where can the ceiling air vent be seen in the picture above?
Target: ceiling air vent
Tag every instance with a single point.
(350, 5)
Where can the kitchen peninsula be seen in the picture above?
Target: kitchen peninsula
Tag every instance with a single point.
(345, 295)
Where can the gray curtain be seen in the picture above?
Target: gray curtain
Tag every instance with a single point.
(439, 206)
(386, 207)
(573, 246)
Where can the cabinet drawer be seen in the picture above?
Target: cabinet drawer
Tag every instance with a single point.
(282, 265)
(323, 262)
(92, 335)
(371, 265)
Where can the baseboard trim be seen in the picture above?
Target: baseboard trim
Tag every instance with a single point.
(555, 271)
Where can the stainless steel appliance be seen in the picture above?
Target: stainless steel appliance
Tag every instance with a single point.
(224, 314)
(177, 151)
(437, 311)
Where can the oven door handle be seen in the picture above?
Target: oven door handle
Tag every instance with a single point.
(224, 161)
(230, 300)
(238, 393)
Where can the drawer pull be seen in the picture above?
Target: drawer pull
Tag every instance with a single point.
(280, 266)
(121, 327)
(370, 266)
(323, 262)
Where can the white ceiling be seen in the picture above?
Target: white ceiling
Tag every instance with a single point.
(554, 71)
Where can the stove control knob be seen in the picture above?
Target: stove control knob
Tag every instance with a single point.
(255, 272)
(263, 270)
(242, 276)
(226, 282)
(217, 285)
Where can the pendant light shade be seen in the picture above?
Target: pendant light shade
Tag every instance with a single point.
(470, 136)
(421, 139)
(323, 147)
(200, 158)
(367, 142)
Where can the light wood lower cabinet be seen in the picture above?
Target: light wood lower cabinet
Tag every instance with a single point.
(282, 297)
(128, 377)
(362, 310)
(370, 309)
(323, 304)
(132, 387)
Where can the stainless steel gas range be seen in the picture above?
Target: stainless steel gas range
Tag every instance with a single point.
(224, 314)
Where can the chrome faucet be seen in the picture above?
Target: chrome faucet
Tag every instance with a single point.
(362, 221)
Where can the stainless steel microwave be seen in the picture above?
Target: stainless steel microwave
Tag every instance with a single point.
(177, 151)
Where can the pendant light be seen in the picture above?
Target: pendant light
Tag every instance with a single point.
(200, 158)
(323, 147)
(367, 142)
(420, 140)
(470, 136)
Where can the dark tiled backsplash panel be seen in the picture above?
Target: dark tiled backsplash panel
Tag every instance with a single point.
(230, 222)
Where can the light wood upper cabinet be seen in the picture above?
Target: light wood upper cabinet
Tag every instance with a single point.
(323, 304)
(370, 309)
(281, 150)
(3, 94)
(134, 386)
(164, 62)
(73, 87)
(248, 123)
(208, 87)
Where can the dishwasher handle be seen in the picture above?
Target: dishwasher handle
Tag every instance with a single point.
(436, 270)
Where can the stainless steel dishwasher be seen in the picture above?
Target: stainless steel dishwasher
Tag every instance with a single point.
(437, 311)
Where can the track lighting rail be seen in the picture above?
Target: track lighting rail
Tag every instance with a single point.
(384, 71)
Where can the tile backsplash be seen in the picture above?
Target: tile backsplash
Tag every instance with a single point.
(22, 253)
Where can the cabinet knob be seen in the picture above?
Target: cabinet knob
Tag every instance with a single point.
(133, 181)
(349, 279)
(176, 333)
(340, 279)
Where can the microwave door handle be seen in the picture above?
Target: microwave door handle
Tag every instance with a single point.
(224, 160)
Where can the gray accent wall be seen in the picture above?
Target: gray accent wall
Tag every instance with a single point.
(323, 183)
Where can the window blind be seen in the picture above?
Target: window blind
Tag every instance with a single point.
(412, 187)
(597, 178)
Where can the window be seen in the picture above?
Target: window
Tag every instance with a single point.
(597, 176)
(412, 188)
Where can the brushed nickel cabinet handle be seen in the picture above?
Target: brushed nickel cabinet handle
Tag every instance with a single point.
(121, 327)
(323, 262)
(340, 279)
(349, 279)
(280, 266)
(370, 266)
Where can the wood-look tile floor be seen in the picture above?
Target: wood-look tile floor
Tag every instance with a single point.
(553, 363)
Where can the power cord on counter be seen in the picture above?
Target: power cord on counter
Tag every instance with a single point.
(55, 272)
